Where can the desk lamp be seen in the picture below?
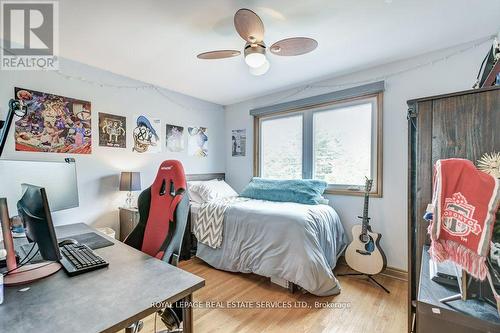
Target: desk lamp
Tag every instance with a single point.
(16, 107)
(130, 181)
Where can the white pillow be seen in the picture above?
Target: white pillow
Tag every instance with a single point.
(195, 197)
(214, 189)
(193, 188)
(193, 194)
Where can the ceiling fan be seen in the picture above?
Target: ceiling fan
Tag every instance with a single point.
(250, 27)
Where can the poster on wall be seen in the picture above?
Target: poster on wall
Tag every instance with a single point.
(112, 130)
(53, 124)
(175, 138)
(147, 135)
(239, 142)
(198, 141)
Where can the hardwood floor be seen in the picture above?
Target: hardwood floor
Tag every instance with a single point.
(361, 306)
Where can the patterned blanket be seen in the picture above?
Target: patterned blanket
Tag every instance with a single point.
(209, 224)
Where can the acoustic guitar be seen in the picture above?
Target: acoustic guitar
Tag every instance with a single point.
(364, 254)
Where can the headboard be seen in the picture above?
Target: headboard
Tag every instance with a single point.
(205, 176)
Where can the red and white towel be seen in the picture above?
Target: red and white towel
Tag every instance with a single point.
(465, 202)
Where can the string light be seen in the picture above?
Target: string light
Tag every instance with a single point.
(476, 44)
(296, 92)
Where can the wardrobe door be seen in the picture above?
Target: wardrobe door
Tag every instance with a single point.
(466, 126)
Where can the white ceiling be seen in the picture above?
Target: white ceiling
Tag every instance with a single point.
(157, 41)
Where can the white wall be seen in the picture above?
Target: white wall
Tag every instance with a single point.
(98, 173)
(389, 214)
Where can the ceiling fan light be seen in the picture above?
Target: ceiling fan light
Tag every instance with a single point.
(255, 54)
(255, 60)
(261, 70)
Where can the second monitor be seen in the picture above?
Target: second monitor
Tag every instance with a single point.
(59, 179)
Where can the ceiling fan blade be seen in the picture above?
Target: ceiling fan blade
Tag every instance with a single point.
(220, 54)
(249, 25)
(293, 46)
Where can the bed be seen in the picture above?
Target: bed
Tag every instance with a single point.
(282, 240)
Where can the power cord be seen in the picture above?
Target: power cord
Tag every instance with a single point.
(38, 267)
(24, 263)
(27, 255)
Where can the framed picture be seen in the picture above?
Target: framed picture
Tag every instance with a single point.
(174, 138)
(198, 141)
(147, 135)
(112, 130)
(239, 142)
(53, 124)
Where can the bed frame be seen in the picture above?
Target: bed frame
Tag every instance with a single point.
(205, 176)
(191, 248)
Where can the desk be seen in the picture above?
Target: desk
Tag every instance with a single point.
(104, 300)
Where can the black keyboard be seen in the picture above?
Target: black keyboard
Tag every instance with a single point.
(79, 258)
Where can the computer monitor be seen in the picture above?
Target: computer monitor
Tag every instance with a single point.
(59, 178)
(33, 207)
(35, 211)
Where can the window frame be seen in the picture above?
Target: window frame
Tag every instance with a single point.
(308, 140)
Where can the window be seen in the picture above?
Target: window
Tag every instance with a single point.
(281, 140)
(339, 142)
(342, 144)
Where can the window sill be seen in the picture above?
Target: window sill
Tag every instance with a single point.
(359, 193)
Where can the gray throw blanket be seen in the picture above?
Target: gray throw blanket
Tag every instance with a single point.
(209, 224)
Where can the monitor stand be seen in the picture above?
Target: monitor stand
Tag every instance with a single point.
(462, 285)
(31, 273)
(26, 273)
(464, 294)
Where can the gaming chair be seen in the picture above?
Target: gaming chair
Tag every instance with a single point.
(163, 214)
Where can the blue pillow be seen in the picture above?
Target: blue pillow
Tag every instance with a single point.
(305, 191)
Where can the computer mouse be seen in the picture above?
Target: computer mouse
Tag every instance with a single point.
(68, 241)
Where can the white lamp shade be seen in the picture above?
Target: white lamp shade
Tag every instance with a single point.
(260, 70)
(255, 60)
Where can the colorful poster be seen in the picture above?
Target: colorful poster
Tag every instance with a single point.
(239, 142)
(198, 141)
(53, 124)
(175, 138)
(112, 130)
(147, 135)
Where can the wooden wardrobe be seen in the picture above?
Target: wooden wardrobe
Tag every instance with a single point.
(465, 125)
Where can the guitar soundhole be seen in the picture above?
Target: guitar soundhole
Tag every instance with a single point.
(369, 243)
(370, 246)
(364, 238)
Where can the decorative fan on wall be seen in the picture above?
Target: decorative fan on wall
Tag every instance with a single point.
(250, 27)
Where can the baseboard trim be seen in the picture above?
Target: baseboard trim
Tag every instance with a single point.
(395, 273)
(391, 272)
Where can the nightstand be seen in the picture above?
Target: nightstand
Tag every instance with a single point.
(129, 217)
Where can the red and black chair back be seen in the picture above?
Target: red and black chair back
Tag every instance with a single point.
(163, 210)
